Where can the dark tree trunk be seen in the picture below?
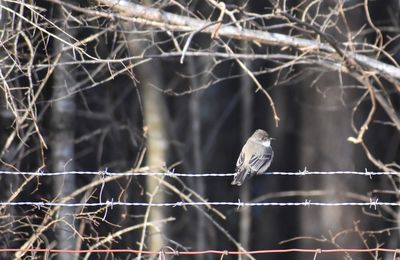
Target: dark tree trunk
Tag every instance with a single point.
(62, 143)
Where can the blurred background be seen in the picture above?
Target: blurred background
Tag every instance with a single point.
(156, 86)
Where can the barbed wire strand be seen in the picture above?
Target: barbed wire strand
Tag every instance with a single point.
(220, 252)
(171, 173)
(373, 203)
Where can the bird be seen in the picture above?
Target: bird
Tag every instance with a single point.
(256, 157)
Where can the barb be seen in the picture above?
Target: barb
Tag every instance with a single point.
(306, 203)
(198, 175)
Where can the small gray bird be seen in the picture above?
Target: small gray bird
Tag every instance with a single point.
(256, 156)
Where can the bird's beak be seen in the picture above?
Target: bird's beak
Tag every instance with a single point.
(272, 138)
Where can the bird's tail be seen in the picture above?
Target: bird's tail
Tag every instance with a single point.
(239, 177)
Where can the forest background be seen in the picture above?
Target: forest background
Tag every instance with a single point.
(114, 86)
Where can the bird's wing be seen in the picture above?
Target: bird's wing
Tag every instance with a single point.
(261, 161)
(240, 160)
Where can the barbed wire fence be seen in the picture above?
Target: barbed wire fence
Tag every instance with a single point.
(199, 175)
(110, 204)
(170, 251)
(374, 202)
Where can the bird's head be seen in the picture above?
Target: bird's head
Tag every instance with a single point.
(262, 137)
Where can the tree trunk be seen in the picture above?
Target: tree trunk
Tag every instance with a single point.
(156, 154)
(246, 127)
(195, 103)
(62, 144)
(154, 109)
